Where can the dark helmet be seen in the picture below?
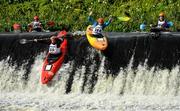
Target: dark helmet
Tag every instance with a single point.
(101, 20)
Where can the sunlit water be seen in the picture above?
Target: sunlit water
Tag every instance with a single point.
(131, 90)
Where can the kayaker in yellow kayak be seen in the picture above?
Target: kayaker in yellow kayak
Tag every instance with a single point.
(98, 26)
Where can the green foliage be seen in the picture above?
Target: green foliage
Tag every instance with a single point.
(74, 13)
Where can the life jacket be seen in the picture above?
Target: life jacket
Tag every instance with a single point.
(162, 24)
(97, 30)
(53, 49)
(36, 24)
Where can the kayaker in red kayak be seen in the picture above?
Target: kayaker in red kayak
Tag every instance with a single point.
(55, 57)
(54, 41)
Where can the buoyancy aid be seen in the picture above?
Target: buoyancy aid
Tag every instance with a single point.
(53, 49)
(97, 30)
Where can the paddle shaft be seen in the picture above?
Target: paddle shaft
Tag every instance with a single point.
(24, 41)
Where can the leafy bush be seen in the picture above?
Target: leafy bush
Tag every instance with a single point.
(73, 13)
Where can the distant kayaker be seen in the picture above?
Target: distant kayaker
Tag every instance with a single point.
(143, 26)
(17, 28)
(162, 23)
(35, 26)
(98, 26)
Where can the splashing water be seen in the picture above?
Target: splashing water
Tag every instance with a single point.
(89, 88)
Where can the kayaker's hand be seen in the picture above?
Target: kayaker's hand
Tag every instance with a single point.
(91, 28)
(110, 18)
(53, 37)
(151, 25)
(90, 13)
(29, 25)
(35, 40)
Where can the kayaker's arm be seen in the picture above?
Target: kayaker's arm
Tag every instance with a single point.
(90, 19)
(58, 41)
(108, 22)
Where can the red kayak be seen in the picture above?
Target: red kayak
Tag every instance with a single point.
(52, 63)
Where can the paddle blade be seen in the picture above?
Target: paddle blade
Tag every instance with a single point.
(23, 41)
(124, 19)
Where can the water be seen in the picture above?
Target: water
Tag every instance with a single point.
(140, 89)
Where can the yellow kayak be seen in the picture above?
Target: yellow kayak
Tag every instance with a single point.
(97, 43)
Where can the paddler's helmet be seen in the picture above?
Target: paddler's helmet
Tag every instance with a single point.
(51, 23)
(61, 34)
(161, 14)
(36, 18)
(16, 26)
(101, 21)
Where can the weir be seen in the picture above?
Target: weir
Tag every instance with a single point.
(128, 58)
(163, 51)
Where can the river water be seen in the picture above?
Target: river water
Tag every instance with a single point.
(141, 89)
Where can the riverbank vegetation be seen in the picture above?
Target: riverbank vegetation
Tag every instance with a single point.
(74, 13)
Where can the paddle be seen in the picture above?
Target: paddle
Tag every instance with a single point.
(124, 19)
(24, 41)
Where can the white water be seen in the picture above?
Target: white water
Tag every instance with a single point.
(130, 91)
